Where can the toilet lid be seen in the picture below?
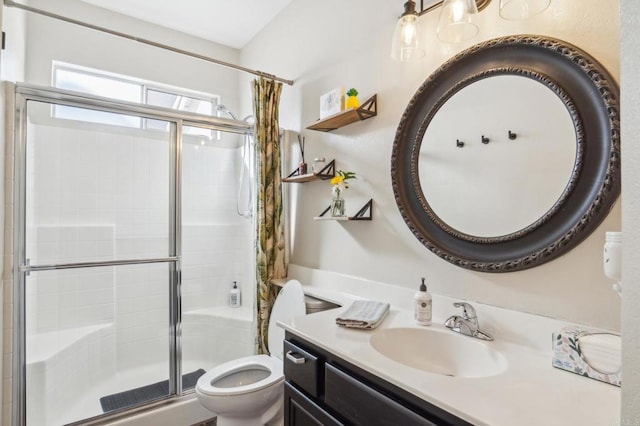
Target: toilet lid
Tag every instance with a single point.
(288, 304)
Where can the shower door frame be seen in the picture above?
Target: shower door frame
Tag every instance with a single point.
(21, 268)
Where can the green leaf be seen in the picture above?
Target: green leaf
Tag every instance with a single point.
(346, 175)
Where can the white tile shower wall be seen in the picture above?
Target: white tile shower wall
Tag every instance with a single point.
(89, 177)
(217, 250)
(213, 257)
(142, 316)
(101, 195)
(217, 241)
(74, 297)
(93, 195)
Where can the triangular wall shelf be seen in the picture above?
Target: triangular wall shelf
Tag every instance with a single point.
(365, 213)
(368, 109)
(327, 172)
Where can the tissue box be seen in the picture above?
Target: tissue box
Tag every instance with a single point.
(568, 355)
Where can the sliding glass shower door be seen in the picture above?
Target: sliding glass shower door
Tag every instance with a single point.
(110, 313)
(100, 256)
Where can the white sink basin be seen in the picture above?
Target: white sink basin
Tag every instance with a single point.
(439, 351)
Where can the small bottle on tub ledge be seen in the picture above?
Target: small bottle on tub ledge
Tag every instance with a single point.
(234, 296)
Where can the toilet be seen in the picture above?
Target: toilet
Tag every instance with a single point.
(250, 391)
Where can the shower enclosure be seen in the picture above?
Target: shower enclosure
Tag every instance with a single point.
(126, 242)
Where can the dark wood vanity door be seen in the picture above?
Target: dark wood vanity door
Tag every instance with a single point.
(299, 410)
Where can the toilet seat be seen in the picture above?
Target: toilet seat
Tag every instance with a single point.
(272, 365)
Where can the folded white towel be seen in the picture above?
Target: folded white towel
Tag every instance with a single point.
(363, 314)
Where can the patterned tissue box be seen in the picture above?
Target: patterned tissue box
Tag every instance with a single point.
(568, 355)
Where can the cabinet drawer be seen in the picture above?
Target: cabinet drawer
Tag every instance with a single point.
(362, 405)
(301, 368)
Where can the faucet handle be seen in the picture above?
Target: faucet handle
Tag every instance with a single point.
(468, 311)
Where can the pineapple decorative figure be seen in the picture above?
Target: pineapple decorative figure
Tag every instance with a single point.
(352, 99)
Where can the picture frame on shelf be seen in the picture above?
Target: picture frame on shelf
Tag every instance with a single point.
(332, 102)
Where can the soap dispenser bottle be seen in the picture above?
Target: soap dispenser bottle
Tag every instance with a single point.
(422, 305)
(234, 296)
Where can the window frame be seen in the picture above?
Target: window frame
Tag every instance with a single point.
(145, 87)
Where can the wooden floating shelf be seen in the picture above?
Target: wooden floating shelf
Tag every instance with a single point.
(365, 213)
(368, 109)
(327, 172)
(305, 178)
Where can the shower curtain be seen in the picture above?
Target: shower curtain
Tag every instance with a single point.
(270, 247)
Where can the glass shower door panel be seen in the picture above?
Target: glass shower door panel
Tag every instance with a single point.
(97, 340)
(217, 250)
(95, 191)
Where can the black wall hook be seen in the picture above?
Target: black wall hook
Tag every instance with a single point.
(485, 140)
(459, 143)
(512, 135)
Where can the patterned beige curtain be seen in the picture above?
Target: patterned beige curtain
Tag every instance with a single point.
(270, 252)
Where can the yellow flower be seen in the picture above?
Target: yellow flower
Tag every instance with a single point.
(337, 179)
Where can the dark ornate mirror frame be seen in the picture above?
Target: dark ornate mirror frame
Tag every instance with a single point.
(592, 100)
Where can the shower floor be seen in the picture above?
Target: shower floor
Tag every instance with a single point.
(88, 405)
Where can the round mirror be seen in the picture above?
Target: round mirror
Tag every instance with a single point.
(489, 171)
(508, 155)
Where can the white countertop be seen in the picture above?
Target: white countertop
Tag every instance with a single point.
(529, 392)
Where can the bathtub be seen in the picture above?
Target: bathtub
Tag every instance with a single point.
(68, 371)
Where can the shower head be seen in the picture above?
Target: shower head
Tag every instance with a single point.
(223, 109)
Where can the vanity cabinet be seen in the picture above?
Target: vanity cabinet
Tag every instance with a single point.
(323, 389)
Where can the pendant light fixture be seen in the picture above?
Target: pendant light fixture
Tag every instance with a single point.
(522, 9)
(406, 37)
(457, 23)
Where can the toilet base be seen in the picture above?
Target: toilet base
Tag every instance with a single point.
(274, 416)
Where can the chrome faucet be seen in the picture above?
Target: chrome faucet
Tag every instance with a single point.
(466, 324)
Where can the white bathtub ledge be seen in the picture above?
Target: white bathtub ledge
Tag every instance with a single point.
(44, 346)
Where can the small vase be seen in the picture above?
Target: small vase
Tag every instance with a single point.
(337, 206)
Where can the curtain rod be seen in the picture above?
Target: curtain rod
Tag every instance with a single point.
(11, 3)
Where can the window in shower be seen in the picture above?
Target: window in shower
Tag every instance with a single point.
(125, 88)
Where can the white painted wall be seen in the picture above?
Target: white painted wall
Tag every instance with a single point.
(630, 58)
(323, 45)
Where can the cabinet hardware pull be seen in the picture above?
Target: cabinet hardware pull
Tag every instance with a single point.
(296, 358)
